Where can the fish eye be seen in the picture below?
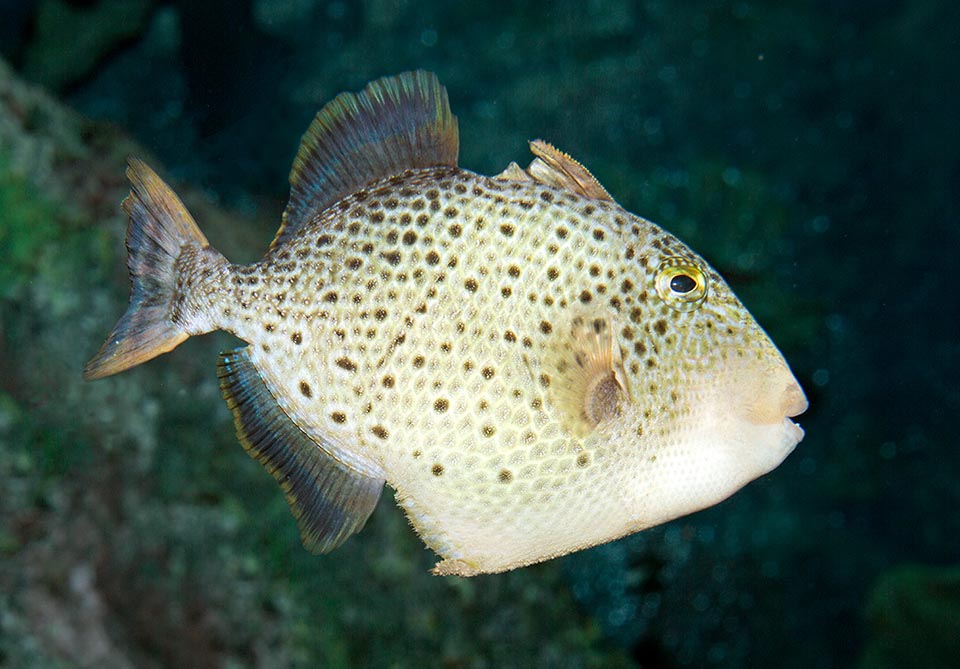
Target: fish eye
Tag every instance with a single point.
(681, 285)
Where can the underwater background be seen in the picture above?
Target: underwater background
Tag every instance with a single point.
(809, 150)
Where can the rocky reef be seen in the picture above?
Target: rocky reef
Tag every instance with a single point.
(134, 530)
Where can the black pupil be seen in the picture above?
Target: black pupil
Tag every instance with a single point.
(682, 283)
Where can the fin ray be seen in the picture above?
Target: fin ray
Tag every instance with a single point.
(394, 124)
(330, 500)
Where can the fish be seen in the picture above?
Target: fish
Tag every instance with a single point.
(531, 368)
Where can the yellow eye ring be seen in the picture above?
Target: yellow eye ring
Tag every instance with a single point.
(681, 285)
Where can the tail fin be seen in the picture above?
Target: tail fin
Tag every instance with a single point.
(159, 230)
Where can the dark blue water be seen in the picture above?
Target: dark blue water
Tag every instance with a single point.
(808, 150)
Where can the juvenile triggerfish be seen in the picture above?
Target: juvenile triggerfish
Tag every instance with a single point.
(533, 369)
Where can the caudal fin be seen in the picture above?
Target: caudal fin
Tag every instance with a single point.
(160, 230)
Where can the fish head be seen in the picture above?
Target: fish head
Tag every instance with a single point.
(710, 396)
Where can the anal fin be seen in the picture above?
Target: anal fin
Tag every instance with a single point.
(330, 500)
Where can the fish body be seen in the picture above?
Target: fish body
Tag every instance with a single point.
(533, 369)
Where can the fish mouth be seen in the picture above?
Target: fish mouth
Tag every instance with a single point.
(794, 403)
(793, 430)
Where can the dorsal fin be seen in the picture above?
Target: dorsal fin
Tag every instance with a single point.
(329, 499)
(514, 173)
(555, 168)
(589, 383)
(394, 124)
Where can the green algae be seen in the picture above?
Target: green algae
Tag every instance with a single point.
(29, 227)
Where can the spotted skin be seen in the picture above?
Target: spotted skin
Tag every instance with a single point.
(411, 325)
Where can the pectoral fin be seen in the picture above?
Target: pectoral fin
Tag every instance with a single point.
(587, 381)
(330, 500)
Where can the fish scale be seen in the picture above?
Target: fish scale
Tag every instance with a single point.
(533, 369)
(412, 267)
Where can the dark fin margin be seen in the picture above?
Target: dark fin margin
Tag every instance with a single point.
(395, 124)
(330, 500)
(160, 226)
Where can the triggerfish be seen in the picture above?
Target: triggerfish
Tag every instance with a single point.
(532, 369)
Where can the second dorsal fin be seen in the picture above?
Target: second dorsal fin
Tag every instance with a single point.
(555, 168)
(394, 124)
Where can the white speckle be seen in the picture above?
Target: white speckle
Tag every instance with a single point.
(820, 224)
(834, 322)
(667, 74)
(732, 176)
(888, 450)
(428, 37)
(652, 125)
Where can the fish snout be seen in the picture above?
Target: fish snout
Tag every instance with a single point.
(793, 402)
(769, 397)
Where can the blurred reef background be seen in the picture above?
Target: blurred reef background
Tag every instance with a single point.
(809, 150)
